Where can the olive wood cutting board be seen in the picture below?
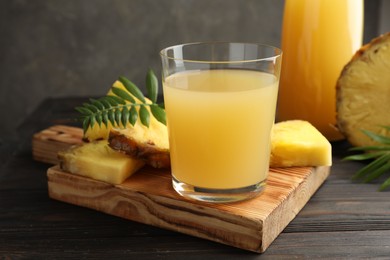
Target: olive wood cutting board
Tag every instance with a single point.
(148, 197)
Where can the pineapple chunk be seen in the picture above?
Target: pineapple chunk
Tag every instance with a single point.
(298, 143)
(98, 161)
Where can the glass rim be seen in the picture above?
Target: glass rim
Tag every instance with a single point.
(163, 52)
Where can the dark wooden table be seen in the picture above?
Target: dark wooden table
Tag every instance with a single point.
(342, 220)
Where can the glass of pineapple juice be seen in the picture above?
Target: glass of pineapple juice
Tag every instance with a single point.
(220, 100)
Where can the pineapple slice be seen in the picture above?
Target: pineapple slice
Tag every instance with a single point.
(363, 93)
(149, 144)
(298, 143)
(98, 161)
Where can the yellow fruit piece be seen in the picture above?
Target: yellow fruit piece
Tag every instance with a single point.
(149, 144)
(98, 161)
(298, 143)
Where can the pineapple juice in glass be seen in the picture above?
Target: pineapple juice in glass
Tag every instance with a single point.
(220, 100)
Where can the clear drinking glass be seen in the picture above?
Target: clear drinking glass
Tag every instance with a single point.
(220, 100)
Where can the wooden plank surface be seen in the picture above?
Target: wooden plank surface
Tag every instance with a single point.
(47, 142)
(250, 225)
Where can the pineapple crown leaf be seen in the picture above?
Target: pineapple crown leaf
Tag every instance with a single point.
(119, 108)
(380, 156)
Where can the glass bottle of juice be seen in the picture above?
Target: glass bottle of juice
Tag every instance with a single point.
(319, 37)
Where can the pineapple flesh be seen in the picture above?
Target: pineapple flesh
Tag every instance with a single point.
(363, 93)
(98, 161)
(298, 143)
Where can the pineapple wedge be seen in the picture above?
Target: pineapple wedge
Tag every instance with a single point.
(98, 161)
(149, 144)
(298, 143)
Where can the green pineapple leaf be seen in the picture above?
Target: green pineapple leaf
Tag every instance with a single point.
(379, 156)
(120, 108)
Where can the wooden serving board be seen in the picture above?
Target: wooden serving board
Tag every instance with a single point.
(148, 197)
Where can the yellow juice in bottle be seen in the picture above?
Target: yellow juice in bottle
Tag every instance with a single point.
(319, 37)
(219, 124)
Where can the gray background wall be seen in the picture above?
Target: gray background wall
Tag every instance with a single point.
(55, 48)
